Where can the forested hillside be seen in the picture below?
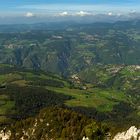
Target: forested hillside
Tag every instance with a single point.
(57, 123)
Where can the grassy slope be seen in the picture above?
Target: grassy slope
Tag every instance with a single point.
(94, 97)
(102, 99)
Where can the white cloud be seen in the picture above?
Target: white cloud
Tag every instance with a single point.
(110, 14)
(82, 13)
(29, 14)
(63, 14)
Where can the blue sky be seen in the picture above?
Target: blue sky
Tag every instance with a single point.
(22, 2)
(21, 7)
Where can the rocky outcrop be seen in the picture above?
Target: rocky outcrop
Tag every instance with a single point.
(85, 138)
(5, 135)
(131, 134)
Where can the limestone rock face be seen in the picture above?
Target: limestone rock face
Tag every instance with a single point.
(131, 134)
(85, 138)
(5, 135)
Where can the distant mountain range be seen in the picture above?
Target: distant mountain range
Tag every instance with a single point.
(80, 17)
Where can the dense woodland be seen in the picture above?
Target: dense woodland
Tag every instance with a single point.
(59, 123)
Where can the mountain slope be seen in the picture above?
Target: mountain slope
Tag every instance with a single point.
(24, 92)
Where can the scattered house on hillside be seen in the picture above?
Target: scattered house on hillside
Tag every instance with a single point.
(133, 68)
(76, 79)
(114, 69)
(137, 67)
(74, 76)
(84, 88)
(77, 82)
(57, 37)
(10, 46)
(90, 38)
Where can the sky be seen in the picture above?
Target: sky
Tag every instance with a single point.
(20, 11)
(31, 8)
